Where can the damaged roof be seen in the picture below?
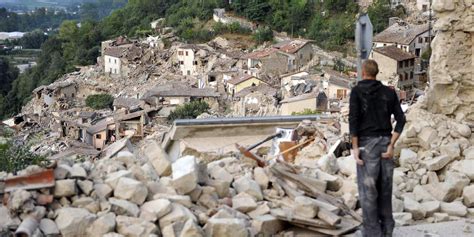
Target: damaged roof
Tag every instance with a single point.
(100, 126)
(55, 85)
(291, 46)
(306, 96)
(124, 102)
(261, 53)
(240, 78)
(394, 53)
(338, 78)
(262, 88)
(179, 90)
(401, 33)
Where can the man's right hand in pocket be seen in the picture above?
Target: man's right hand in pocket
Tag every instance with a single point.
(355, 153)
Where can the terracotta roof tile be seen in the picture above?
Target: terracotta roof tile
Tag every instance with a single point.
(394, 53)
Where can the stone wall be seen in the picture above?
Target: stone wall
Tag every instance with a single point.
(451, 90)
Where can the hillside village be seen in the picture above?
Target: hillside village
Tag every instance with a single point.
(129, 169)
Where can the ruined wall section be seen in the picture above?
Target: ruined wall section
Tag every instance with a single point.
(445, 116)
(451, 89)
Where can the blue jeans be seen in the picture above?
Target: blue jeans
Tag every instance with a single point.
(374, 180)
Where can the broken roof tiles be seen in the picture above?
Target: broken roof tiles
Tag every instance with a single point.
(128, 103)
(261, 53)
(291, 46)
(262, 88)
(401, 33)
(179, 90)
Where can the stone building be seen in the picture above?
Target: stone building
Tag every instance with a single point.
(267, 61)
(414, 39)
(174, 94)
(299, 51)
(241, 82)
(336, 85)
(395, 63)
(189, 59)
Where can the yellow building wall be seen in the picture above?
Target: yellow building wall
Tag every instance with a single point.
(332, 91)
(99, 142)
(247, 83)
(298, 106)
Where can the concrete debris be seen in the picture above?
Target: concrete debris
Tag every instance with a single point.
(74, 221)
(125, 172)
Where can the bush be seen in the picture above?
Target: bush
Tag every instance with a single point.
(306, 112)
(14, 158)
(99, 101)
(189, 110)
(263, 34)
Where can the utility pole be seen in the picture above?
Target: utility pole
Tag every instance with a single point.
(363, 38)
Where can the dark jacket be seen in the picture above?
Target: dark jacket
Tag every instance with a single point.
(371, 107)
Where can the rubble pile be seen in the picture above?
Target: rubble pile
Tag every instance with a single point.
(151, 195)
(436, 173)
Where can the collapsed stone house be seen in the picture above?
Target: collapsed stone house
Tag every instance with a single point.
(173, 94)
(256, 100)
(292, 79)
(126, 104)
(118, 55)
(100, 134)
(266, 61)
(56, 95)
(281, 58)
(299, 51)
(192, 59)
(216, 137)
(395, 63)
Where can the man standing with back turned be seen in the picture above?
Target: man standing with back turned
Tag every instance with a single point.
(371, 107)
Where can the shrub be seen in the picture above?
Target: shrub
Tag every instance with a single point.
(189, 110)
(99, 101)
(263, 34)
(306, 112)
(14, 158)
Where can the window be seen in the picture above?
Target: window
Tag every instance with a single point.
(412, 62)
(401, 77)
(411, 75)
(406, 76)
(427, 39)
(98, 136)
(195, 63)
(115, 61)
(400, 64)
(406, 63)
(186, 53)
(110, 60)
(188, 72)
(341, 93)
(181, 62)
(180, 53)
(420, 40)
(424, 8)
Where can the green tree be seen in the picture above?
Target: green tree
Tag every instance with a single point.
(99, 101)
(189, 110)
(14, 158)
(263, 34)
(8, 73)
(379, 13)
(33, 40)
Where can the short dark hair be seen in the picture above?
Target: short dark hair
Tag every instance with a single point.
(370, 67)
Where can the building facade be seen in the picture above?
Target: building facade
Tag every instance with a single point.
(396, 67)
